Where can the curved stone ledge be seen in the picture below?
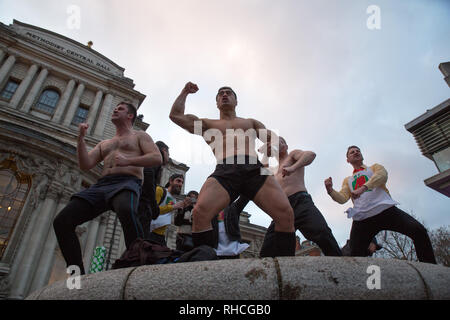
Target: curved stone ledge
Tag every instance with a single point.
(290, 278)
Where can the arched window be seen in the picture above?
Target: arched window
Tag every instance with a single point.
(80, 115)
(47, 101)
(14, 188)
(9, 89)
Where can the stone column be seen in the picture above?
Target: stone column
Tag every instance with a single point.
(18, 95)
(90, 243)
(22, 250)
(102, 229)
(61, 106)
(74, 105)
(28, 265)
(6, 67)
(44, 269)
(34, 90)
(122, 246)
(2, 55)
(100, 127)
(34, 204)
(93, 110)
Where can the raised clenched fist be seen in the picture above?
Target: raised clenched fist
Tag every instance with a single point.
(82, 128)
(190, 87)
(329, 184)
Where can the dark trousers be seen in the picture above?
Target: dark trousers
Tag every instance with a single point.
(148, 208)
(184, 242)
(310, 222)
(79, 211)
(396, 220)
(144, 215)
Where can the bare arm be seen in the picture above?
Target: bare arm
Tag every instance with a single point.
(186, 121)
(86, 160)
(264, 134)
(302, 159)
(269, 138)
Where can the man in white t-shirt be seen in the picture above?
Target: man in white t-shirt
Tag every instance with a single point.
(167, 207)
(374, 210)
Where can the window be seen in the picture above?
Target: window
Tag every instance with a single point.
(80, 115)
(442, 159)
(47, 101)
(14, 188)
(9, 89)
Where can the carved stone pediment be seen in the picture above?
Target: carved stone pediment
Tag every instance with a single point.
(67, 47)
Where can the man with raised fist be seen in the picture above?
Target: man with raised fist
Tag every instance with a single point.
(374, 209)
(238, 171)
(119, 187)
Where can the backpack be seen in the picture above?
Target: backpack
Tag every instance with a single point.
(201, 253)
(145, 252)
(142, 252)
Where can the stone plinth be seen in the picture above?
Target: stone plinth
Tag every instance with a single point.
(293, 278)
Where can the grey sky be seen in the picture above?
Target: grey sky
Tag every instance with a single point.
(313, 71)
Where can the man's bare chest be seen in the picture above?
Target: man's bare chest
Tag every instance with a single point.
(129, 144)
(235, 126)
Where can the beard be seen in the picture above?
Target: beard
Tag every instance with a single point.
(175, 190)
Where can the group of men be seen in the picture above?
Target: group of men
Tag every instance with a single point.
(238, 178)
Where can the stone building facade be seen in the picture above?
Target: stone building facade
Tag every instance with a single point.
(307, 248)
(48, 84)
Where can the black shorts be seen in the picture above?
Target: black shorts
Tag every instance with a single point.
(100, 194)
(240, 175)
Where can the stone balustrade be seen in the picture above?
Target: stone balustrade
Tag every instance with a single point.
(282, 278)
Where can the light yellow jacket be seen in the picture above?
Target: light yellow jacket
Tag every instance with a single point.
(163, 209)
(378, 179)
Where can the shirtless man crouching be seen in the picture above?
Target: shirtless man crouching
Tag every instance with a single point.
(307, 218)
(238, 171)
(119, 187)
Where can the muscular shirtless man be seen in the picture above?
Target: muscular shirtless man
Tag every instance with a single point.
(307, 218)
(119, 187)
(238, 172)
